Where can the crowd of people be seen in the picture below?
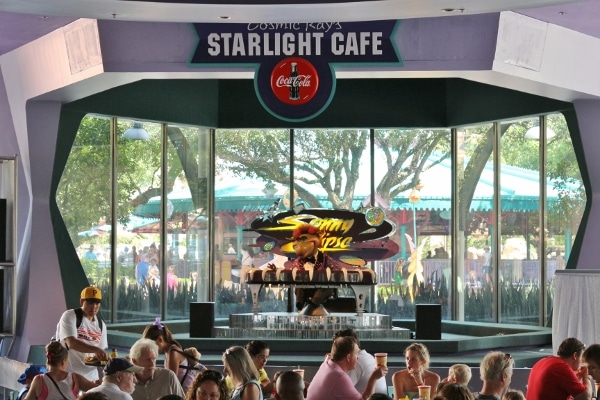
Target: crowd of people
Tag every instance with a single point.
(348, 371)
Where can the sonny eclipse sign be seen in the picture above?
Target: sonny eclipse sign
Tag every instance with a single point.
(294, 78)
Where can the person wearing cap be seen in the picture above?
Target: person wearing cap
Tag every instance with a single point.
(26, 378)
(119, 379)
(85, 338)
(152, 382)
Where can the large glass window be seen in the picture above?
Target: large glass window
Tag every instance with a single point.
(474, 230)
(84, 200)
(252, 171)
(474, 226)
(413, 180)
(160, 248)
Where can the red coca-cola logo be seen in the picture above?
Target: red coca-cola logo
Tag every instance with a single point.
(294, 81)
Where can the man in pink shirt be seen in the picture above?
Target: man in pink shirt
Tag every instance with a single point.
(560, 377)
(331, 381)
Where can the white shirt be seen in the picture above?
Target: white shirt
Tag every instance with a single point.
(88, 332)
(365, 364)
(112, 391)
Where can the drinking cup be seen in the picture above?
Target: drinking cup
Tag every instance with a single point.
(424, 391)
(381, 359)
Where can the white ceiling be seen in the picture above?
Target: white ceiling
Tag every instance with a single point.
(24, 20)
(265, 10)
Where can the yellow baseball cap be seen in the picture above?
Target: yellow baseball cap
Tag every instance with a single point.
(91, 293)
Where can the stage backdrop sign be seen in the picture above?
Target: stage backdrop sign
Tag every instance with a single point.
(294, 75)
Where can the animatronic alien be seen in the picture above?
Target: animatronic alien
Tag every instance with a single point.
(315, 265)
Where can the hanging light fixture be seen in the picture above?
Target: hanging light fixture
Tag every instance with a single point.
(136, 132)
(534, 133)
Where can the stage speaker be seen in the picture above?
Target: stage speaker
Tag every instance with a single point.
(428, 323)
(3, 232)
(202, 319)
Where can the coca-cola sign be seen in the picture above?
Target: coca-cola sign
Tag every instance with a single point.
(295, 73)
(294, 81)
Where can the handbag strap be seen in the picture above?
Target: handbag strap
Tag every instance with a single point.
(57, 388)
(188, 356)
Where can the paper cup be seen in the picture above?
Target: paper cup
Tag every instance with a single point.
(381, 359)
(424, 391)
(300, 372)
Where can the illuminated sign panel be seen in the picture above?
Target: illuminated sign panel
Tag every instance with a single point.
(295, 78)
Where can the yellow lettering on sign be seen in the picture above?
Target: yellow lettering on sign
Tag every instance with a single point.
(336, 242)
(333, 224)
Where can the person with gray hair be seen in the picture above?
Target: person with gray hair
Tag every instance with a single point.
(290, 386)
(152, 382)
(496, 370)
(560, 376)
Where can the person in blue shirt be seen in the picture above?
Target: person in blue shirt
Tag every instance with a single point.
(90, 255)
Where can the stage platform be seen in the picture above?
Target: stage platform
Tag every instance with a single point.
(464, 342)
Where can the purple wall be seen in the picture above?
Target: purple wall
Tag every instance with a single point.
(437, 44)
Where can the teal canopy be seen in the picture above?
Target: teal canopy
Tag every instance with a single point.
(519, 189)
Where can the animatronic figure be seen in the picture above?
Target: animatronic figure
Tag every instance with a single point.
(315, 265)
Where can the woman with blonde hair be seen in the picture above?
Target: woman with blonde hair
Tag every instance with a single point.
(407, 381)
(259, 352)
(244, 375)
(57, 383)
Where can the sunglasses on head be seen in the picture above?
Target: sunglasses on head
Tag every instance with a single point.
(212, 374)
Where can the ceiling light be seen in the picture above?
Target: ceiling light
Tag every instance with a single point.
(136, 132)
(534, 133)
(224, 17)
(451, 10)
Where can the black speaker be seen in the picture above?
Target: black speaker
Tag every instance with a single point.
(3, 226)
(428, 323)
(2, 295)
(202, 319)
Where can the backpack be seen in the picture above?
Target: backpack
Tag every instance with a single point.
(78, 320)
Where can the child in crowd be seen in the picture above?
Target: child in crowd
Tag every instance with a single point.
(26, 378)
(513, 394)
(459, 373)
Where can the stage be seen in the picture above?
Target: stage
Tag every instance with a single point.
(464, 342)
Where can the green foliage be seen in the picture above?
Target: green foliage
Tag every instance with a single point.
(331, 158)
(561, 167)
(95, 271)
(83, 195)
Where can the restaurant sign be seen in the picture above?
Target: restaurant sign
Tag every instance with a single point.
(294, 75)
(352, 237)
